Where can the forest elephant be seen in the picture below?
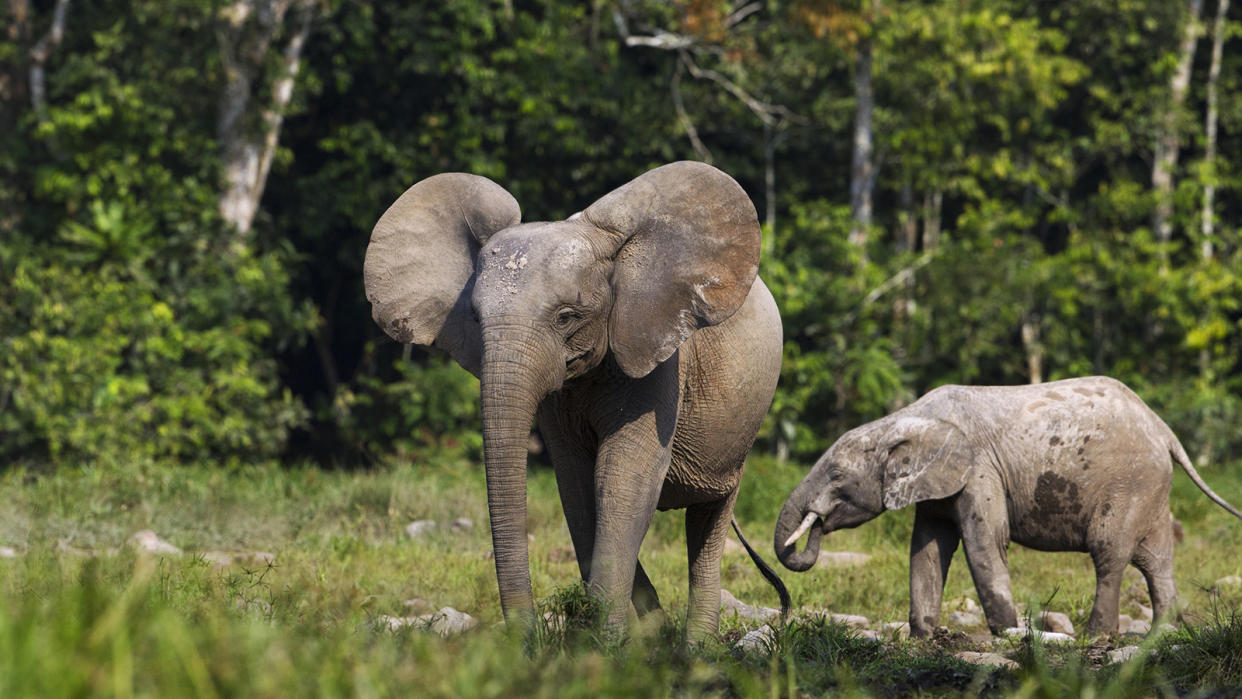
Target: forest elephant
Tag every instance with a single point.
(1075, 465)
(637, 335)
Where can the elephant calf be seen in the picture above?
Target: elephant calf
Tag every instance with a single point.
(1075, 465)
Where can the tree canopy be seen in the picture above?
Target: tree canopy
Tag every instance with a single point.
(952, 191)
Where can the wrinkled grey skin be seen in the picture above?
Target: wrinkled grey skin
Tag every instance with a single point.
(636, 333)
(1075, 465)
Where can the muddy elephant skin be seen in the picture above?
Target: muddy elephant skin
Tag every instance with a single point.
(1075, 465)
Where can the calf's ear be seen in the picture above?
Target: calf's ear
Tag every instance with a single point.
(924, 460)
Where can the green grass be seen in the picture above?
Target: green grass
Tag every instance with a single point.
(82, 613)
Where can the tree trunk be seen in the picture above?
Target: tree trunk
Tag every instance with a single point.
(932, 203)
(862, 166)
(1209, 157)
(13, 79)
(249, 124)
(40, 53)
(1167, 137)
(1034, 350)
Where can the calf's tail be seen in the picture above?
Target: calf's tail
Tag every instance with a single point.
(1179, 455)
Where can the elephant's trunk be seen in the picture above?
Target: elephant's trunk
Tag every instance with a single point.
(792, 515)
(512, 383)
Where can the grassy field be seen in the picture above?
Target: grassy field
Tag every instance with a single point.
(84, 613)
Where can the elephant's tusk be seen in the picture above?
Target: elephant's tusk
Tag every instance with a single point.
(802, 528)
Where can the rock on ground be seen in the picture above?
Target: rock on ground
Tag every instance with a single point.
(420, 527)
(895, 629)
(966, 618)
(149, 542)
(1228, 581)
(759, 639)
(1123, 623)
(1139, 626)
(1056, 622)
(994, 659)
(1120, 655)
(462, 524)
(8, 552)
(446, 622)
(854, 621)
(729, 603)
(842, 559)
(1045, 636)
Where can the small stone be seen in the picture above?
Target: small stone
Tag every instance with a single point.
(842, 559)
(853, 621)
(1228, 581)
(396, 623)
(964, 603)
(1123, 623)
(1120, 655)
(449, 621)
(1045, 636)
(992, 659)
(1055, 621)
(462, 524)
(971, 618)
(729, 603)
(147, 541)
(419, 528)
(446, 622)
(895, 629)
(219, 559)
(758, 640)
(1144, 612)
(871, 635)
(8, 552)
(1139, 626)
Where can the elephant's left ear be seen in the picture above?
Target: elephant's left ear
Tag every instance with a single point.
(925, 460)
(685, 242)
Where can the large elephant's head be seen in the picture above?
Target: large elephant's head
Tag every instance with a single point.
(526, 307)
(883, 465)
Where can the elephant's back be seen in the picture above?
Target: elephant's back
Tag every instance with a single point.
(728, 377)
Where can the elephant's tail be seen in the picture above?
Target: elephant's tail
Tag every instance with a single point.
(1179, 455)
(767, 571)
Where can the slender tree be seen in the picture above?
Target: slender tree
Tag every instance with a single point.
(1167, 137)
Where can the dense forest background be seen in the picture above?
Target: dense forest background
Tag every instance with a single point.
(968, 191)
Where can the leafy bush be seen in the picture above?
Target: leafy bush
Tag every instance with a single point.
(106, 355)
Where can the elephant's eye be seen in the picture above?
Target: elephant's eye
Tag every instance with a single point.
(566, 318)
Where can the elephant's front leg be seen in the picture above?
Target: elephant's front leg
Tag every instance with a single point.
(627, 487)
(574, 463)
(984, 525)
(931, 551)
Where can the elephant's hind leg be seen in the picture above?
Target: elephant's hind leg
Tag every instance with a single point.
(707, 525)
(1154, 558)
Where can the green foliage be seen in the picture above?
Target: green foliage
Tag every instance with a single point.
(416, 408)
(109, 365)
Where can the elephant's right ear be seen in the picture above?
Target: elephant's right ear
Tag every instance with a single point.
(420, 263)
(924, 460)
